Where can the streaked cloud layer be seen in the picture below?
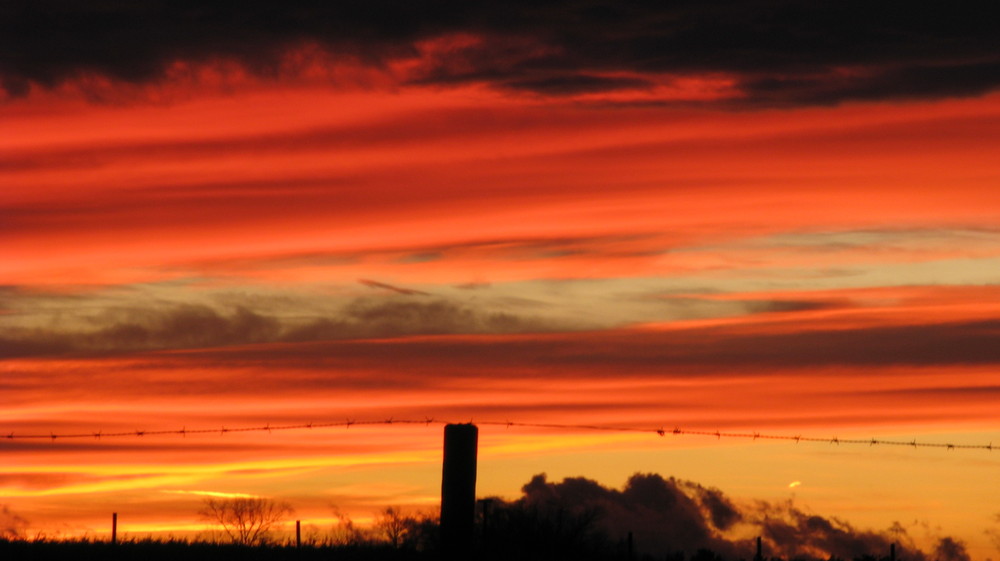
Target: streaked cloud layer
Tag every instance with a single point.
(741, 217)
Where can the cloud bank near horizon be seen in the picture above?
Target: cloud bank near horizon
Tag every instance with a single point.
(674, 517)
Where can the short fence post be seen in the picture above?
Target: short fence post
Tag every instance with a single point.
(114, 528)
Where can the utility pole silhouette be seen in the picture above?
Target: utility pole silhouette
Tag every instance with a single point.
(458, 491)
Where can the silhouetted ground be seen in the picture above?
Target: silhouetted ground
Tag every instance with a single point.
(148, 550)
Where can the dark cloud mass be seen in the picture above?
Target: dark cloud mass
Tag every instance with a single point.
(778, 51)
(664, 515)
(668, 516)
(188, 326)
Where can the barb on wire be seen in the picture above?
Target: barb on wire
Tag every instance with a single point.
(427, 421)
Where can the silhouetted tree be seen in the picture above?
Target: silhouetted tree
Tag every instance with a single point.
(422, 532)
(551, 531)
(418, 532)
(346, 532)
(246, 520)
(391, 523)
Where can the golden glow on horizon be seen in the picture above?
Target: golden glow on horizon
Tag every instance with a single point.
(216, 494)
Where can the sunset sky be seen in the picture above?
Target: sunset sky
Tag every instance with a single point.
(758, 216)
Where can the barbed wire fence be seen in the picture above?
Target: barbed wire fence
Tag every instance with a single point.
(348, 423)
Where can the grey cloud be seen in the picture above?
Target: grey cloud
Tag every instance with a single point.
(134, 329)
(432, 317)
(771, 306)
(561, 341)
(186, 326)
(365, 318)
(200, 326)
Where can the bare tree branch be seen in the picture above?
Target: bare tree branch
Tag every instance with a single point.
(246, 520)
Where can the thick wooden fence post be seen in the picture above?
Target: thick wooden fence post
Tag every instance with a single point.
(458, 491)
(298, 533)
(114, 528)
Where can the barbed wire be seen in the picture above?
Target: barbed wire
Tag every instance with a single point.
(676, 431)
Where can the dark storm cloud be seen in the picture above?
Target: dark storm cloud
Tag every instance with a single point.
(576, 83)
(660, 513)
(668, 515)
(916, 81)
(779, 51)
(789, 532)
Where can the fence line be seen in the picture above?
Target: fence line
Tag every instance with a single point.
(676, 431)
